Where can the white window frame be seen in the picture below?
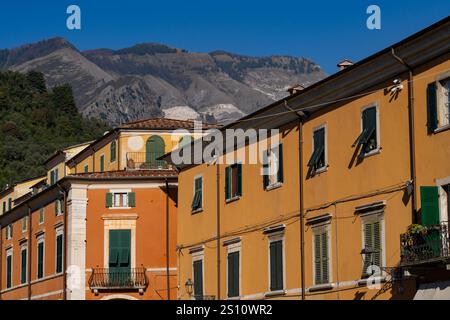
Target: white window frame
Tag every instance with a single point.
(231, 248)
(41, 214)
(439, 100)
(119, 191)
(198, 256)
(199, 176)
(24, 224)
(323, 126)
(371, 217)
(270, 154)
(277, 236)
(319, 229)
(59, 204)
(443, 214)
(378, 128)
(22, 248)
(40, 239)
(9, 231)
(9, 253)
(59, 232)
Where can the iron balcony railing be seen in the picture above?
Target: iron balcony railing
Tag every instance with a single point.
(108, 279)
(145, 160)
(429, 246)
(200, 297)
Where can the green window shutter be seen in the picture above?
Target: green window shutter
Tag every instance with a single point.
(429, 196)
(233, 274)
(317, 259)
(132, 199)
(280, 163)
(109, 199)
(228, 182)
(198, 278)
(239, 179)
(114, 245)
(56, 174)
(113, 152)
(23, 266)
(9, 271)
(124, 256)
(59, 253)
(52, 177)
(40, 260)
(276, 266)
(368, 236)
(377, 243)
(86, 168)
(102, 163)
(265, 168)
(325, 271)
(432, 118)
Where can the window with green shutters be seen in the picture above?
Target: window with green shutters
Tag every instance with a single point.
(368, 139)
(23, 265)
(198, 279)
(4, 206)
(438, 104)
(276, 265)
(120, 251)
(372, 248)
(318, 160)
(59, 253)
(102, 163)
(40, 259)
(41, 215)
(233, 274)
(9, 269)
(273, 166)
(86, 168)
(429, 199)
(198, 194)
(321, 259)
(53, 176)
(113, 151)
(120, 199)
(233, 181)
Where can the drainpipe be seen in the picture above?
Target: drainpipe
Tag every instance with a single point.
(65, 242)
(218, 227)
(167, 240)
(300, 115)
(29, 250)
(412, 151)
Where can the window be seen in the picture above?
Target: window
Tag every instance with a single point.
(41, 215)
(429, 198)
(273, 167)
(276, 265)
(438, 104)
(198, 194)
(321, 255)
(58, 207)
(233, 181)
(9, 203)
(9, 232)
(53, 176)
(198, 279)
(9, 270)
(4, 206)
(447, 193)
(372, 249)
(113, 152)
(102, 163)
(59, 251)
(23, 264)
(86, 168)
(233, 274)
(317, 161)
(368, 139)
(120, 254)
(24, 224)
(120, 199)
(40, 257)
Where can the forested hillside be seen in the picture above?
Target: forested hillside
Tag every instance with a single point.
(36, 121)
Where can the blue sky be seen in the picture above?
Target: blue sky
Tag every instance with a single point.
(325, 31)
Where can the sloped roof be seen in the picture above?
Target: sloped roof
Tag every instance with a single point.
(163, 124)
(156, 173)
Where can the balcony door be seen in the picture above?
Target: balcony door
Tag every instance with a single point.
(154, 149)
(119, 256)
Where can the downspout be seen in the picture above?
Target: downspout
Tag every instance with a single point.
(412, 149)
(29, 250)
(300, 116)
(65, 242)
(218, 228)
(167, 241)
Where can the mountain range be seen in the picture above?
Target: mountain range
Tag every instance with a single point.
(155, 80)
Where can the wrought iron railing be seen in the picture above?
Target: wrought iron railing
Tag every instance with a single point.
(145, 160)
(430, 245)
(105, 278)
(200, 297)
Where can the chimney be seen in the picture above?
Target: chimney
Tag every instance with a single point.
(344, 64)
(295, 88)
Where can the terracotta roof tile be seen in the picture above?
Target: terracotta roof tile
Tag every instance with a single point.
(128, 174)
(164, 124)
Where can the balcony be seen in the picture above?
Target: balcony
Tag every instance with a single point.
(107, 279)
(429, 245)
(145, 161)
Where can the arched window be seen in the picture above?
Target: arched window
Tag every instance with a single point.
(154, 149)
(113, 151)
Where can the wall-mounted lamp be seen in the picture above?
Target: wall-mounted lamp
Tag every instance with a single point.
(189, 286)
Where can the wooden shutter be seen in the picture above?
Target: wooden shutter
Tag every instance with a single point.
(113, 151)
(23, 266)
(40, 260)
(109, 200)
(368, 236)
(429, 198)
(265, 168)
(132, 199)
(280, 163)
(198, 279)
(59, 253)
(9, 271)
(324, 257)
(228, 182)
(432, 118)
(317, 259)
(276, 265)
(233, 274)
(239, 179)
(376, 241)
(102, 163)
